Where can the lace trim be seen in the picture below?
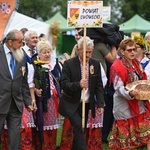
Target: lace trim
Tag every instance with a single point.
(30, 125)
(97, 125)
(51, 127)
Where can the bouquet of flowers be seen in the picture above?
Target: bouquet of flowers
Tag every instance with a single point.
(41, 80)
(54, 30)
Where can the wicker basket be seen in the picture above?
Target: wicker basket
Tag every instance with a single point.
(143, 87)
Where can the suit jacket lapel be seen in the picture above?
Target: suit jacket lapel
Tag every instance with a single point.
(3, 60)
(78, 67)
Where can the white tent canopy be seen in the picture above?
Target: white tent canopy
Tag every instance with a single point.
(19, 21)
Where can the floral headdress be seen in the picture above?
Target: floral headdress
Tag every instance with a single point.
(140, 40)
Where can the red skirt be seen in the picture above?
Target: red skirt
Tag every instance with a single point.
(93, 137)
(130, 133)
(49, 140)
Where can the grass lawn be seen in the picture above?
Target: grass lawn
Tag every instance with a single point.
(59, 131)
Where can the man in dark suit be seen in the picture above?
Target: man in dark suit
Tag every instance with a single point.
(14, 90)
(72, 83)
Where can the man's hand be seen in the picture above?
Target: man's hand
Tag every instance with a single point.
(83, 83)
(100, 111)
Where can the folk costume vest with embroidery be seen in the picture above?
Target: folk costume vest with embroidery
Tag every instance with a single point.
(125, 71)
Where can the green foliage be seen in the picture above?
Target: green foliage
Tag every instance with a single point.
(130, 8)
(43, 9)
(121, 10)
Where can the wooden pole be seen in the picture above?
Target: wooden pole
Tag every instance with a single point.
(84, 67)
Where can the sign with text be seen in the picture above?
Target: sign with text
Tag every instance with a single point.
(85, 13)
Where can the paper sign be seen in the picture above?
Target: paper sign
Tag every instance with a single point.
(85, 13)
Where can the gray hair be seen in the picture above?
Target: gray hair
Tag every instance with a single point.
(11, 35)
(89, 42)
(28, 33)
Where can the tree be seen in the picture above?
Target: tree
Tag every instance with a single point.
(116, 14)
(132, 7)
(42, 9)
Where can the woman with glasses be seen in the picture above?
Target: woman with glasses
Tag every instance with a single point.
(131, 128)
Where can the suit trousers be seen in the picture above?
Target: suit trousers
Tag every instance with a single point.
(13, 119)
(79, 142)
(108, 118)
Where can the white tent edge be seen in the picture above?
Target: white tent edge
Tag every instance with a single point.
(18, 21)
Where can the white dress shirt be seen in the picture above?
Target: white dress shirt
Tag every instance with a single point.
(30, 67)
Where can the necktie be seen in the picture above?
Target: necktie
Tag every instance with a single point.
(12, 63)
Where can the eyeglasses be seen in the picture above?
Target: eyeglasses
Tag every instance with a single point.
(20, 41)
(131, 49)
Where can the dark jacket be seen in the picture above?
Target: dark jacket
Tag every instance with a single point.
(70, 84)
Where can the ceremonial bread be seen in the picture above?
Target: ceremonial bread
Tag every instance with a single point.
(143, 88)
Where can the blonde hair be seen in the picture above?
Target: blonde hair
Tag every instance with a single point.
(89, 43)
(43, 45)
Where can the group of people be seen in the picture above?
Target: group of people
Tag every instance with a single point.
(30, 95)
(37, 90)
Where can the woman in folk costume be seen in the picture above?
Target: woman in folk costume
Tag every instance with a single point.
(94, 125)
(141, 54)
(131, 128)
(46, 80)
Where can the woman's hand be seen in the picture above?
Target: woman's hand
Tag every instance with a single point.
(100, 111)
(133, 93)
(34, 105)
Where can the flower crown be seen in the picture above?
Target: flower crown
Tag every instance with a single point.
(139, 40)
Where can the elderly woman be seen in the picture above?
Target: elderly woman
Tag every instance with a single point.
(131, 128)
(46, 79)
